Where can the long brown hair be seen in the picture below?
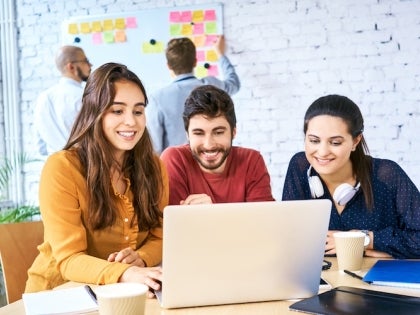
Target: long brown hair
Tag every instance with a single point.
(346, 109)
(141, 165)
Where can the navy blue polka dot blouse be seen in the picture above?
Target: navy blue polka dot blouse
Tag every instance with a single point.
(395, 217)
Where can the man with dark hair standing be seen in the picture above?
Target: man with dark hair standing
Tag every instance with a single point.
(57, 107)
(164, 112)
(209, 169)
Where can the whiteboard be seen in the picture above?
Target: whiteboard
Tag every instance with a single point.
(138, 39)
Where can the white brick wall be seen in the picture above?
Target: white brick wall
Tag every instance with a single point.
(287, 53)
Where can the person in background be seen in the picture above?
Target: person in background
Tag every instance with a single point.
(209, 169)
(369, 194)
(102, 196)
(166, 105)
(57, 107)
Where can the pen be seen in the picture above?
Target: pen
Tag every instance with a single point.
(354, 275)
(91, 293)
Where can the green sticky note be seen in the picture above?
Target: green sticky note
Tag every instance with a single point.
(211, 28)
(175, 29)
(108, 37)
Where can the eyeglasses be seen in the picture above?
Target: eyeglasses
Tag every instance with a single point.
(84, 60)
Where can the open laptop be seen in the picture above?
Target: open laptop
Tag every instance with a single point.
(242, 252)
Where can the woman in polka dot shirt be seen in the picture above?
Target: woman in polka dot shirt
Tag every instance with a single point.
(368, 194)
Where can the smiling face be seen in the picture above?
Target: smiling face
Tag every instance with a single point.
(328, 145)
(124, 121)
(210, 141)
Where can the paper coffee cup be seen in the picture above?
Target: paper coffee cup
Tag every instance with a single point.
(121, 298)
(349, 248)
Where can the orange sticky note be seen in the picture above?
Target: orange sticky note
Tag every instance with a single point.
(120, 36)
(199, 41)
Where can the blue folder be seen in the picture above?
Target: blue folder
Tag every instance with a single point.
(396, 273)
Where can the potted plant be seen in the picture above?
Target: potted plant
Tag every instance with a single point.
(10, 211)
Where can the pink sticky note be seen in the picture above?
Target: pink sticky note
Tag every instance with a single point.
(186, 16)
(131, 22)
(209, 15)
(97, 38)
(198, 28)
(213, 70)
(211, 40)
(201, 55)
(174, 17)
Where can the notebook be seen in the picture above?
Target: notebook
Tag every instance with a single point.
(349, 300)
(395, 273)
(242, 252)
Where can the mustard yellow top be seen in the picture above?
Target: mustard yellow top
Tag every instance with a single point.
(71, 250)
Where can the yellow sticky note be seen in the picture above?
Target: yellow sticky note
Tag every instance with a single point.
(108, 37)
(211, 55)
(200, 71)
(108, 25)
(198, 16)
(120, 36)
(186, 29)
(119, 24)
(85, 27)
(96, 26)
(156, 48)
(73, 29)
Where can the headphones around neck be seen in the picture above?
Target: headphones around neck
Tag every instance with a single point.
(342, 194)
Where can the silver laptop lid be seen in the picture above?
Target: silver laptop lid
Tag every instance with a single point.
(242, 252)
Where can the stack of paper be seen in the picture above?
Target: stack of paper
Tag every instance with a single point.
(395, 273)
(75, 300)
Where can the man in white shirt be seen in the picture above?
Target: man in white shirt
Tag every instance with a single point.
(57, 107)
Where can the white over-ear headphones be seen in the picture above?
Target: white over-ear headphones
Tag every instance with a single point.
(342, 194)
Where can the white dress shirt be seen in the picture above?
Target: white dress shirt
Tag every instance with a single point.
(55, 112)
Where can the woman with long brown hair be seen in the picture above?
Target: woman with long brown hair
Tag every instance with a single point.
(102, 196)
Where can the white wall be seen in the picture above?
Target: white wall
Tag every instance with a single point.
(287, 53)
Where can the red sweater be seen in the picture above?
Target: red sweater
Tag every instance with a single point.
(245, 177)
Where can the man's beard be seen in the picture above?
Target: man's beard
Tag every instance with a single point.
(81, 76)
(211, 167)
